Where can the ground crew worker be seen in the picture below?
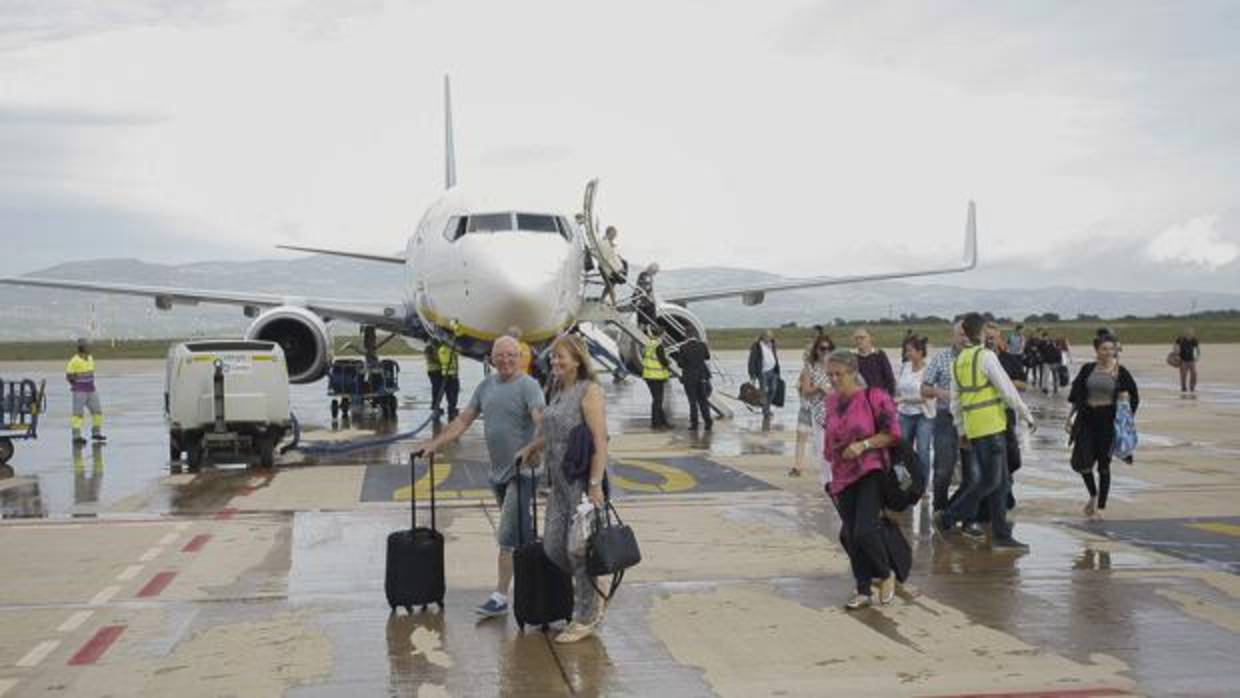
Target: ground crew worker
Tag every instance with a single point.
(450, 368)
(980, 387)
(525, 363)
(655, 373)
(80, 373)
(434, 372)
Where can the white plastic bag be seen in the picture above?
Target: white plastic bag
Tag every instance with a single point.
(581, 528)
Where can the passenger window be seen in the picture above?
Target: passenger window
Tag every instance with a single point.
(490, 223)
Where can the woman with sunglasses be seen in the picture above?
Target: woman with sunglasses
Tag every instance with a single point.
(812, 387)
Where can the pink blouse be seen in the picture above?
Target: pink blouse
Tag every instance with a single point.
(855, 421)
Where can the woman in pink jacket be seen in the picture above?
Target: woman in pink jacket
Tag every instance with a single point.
(861, 423)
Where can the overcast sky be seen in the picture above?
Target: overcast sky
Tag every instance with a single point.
(1100, 139)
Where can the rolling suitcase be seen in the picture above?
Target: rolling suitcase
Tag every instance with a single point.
(415, 557)
(542, 593)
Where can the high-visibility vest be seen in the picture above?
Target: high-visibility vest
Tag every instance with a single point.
(526, 362)
(81, 372)
(432, 359)
(652, 368)
(448, 360)
(980, 401)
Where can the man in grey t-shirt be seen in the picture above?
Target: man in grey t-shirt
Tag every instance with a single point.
(512, 404)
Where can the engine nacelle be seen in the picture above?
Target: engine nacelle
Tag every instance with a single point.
(303, 336)
(678, 322)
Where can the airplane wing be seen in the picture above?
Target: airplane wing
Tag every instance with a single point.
(389, 259)
(755, 293)
(384, 316)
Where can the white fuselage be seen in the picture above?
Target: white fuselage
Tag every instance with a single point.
(487, 281)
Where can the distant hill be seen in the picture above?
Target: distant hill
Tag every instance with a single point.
(44, 314)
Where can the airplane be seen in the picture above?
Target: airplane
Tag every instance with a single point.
(478, 263)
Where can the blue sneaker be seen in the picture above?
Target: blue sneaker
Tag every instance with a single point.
(492, 609)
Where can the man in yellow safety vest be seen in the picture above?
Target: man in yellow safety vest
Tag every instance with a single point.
(980, 390)
(450, 370)
(80, 373)
(655, 373)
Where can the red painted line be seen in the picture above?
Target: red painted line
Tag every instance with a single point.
(1074, 693)
(195, 544)
(157, 585)
(97, 645)
(225, 514)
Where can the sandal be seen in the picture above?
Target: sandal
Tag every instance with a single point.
(887, 589)
(575, 632)
(794, 472)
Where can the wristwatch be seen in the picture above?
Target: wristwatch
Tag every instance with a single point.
(865, 445)
(596, 483)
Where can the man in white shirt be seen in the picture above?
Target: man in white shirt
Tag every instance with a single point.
(764, 368)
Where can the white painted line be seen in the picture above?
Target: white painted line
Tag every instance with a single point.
(151, 554)
(38, 654)
(167, 540)
(182, 526)
(104, 596)
(7, 685)
(129, 573)
(75, 621)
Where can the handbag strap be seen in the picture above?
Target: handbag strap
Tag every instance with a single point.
(611, 591)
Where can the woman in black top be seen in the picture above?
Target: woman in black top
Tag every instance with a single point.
(1098, 387)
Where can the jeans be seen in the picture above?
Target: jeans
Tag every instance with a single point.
(992, 485)
(918, 430)
(516, 522)
(946, 454)
(770, 379)
(695, 390)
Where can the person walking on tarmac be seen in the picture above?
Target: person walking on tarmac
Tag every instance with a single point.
(434, 372)
(980, 387)
(450, 367)
(695, 376)
(80, 373)
(655, 373)
(764, 369)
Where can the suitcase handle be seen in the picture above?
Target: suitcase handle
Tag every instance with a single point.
(413, 488)
(533, 503)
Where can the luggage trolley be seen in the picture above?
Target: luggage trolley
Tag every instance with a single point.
(354, 383)
(21, 403)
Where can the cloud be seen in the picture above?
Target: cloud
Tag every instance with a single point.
(1198, 242)
(21, 115)
(23, 22)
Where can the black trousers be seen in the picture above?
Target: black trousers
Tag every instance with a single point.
(657, 417)
(436, 388)
(695, 390)
(860, 505)
(452, 391)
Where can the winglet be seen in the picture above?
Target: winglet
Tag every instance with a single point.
(449, 147)
(970, 238)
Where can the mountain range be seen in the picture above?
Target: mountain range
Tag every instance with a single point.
(42, 314)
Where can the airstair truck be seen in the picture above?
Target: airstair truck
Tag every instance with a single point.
(226, 399)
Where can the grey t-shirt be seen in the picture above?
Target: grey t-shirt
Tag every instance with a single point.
(508, 424)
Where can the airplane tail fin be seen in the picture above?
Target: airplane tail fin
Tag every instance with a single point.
(970, 238)
(449, 146)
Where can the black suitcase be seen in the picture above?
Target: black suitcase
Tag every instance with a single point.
(415, 557)
(542, 593)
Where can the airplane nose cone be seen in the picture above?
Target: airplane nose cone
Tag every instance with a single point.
(522, 280)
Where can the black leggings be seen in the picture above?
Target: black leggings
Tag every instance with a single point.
(859, 505)
(1104, 483)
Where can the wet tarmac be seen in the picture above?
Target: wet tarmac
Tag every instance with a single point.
(125, 578)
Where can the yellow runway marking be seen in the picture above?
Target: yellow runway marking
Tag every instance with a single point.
(674, 479)
(1225, 529)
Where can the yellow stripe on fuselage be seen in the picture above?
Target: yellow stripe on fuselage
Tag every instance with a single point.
(445, 324)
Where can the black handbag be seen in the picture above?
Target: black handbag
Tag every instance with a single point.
(781, 389)
(612, 549)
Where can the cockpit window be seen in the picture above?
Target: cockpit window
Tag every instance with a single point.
(455, 228)
(536, 223)
(490, 222)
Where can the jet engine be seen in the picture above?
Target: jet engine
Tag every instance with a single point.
(676, 320)
(303, 336)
